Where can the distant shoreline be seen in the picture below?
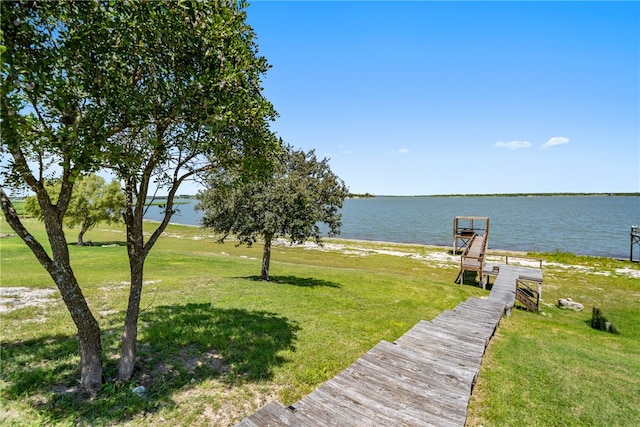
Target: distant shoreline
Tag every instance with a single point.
(525, 195)
(372, 196)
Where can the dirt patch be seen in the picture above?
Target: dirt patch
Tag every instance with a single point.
(13, 298)
(153, 368)
(224, 405)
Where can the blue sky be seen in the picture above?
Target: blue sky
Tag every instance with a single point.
(412, 98)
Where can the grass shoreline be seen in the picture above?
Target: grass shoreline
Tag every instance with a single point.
(216, 344)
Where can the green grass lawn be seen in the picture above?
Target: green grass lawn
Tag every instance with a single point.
(215, 344)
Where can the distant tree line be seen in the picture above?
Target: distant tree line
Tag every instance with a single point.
(533, 194)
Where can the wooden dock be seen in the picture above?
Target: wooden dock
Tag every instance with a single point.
(509, 278)
(424, 378)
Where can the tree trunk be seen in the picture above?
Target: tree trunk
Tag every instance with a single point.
(83, 230)
(136, 253)
(130, 332)
(266, 257)
(59, 268)
(89, 340)
(90, 346)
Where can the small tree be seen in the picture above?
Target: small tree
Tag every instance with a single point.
(92, 202)
(301, 193)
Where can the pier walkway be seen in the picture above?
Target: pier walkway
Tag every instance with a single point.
(511, 284)
(424, 378)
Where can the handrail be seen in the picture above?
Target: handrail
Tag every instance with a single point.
(528, 293)
(479, 258)
(471, 239)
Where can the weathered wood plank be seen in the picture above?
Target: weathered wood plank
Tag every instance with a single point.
(490, 318)
(466, 320)
(408, 390)
(327, 409)
(419, 365)
(400, 382)
(455, 350)
(403, 369)
(448, 350)
(346, 410)
(486, 307)
(247, 422)
(397, 412)
(290, 417)
(271, 415)
(467, 315)
(465, 324)
(453, 321)
(468, 337)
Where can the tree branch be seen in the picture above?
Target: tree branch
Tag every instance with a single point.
(14, 221)
(168, 213)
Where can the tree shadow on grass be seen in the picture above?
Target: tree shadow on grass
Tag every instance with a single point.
(308, 282)
(179, 347)
(92, 244)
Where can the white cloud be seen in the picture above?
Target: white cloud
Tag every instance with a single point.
(344, 150)
(556, 140)
(513, 145)
(400, 152)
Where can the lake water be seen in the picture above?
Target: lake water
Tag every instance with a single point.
(586, 225)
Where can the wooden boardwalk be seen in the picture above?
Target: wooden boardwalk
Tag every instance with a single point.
(504, 287)
(424, 378)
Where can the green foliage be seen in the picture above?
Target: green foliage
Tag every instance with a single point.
(147, 89)
(92, 202)
(153, 91)
(302, 192)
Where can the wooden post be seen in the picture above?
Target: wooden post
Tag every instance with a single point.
(635, 240)
(539, 295)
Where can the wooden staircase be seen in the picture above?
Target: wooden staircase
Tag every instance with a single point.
(473, 257)
(527, 296)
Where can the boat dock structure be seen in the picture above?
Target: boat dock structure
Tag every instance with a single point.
(635, 241)
(425, 377)
(470, 236)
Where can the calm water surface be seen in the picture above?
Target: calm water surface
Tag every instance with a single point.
(589, 225)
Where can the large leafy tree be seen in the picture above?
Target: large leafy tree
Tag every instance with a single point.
(52, 127)
(301, 193)
(156, 92)
(92, 202)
